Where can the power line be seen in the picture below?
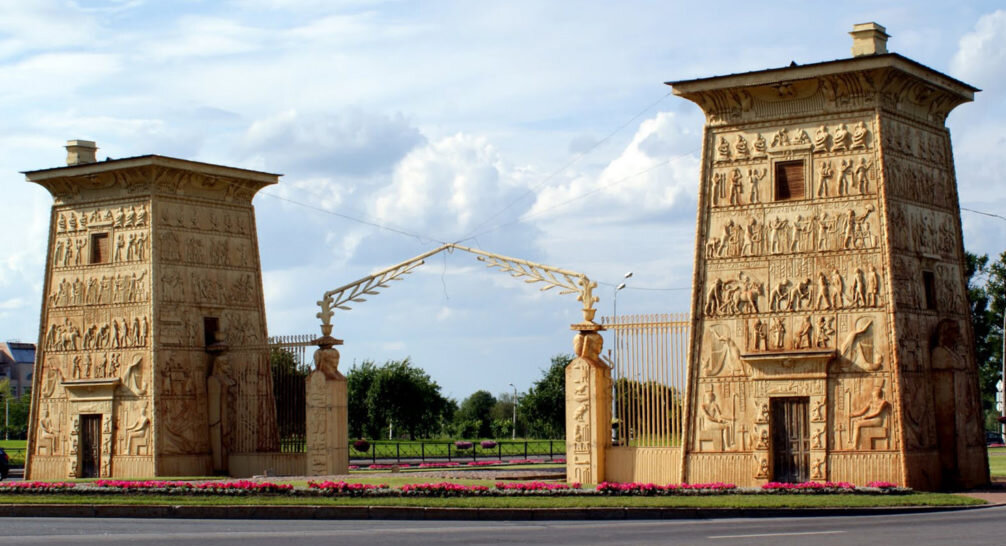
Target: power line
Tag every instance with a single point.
(984, 213)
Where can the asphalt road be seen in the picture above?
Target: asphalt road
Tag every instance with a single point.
(986, 526)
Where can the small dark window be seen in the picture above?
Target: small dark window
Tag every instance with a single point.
(100, 251)
(211, 325)
(789, 180)
(929, 285)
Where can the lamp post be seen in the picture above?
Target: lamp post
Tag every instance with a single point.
(513, 431)
(614, 341)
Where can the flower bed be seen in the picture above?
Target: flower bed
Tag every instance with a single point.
(344, 489)
(443, 489)
(440, 489)
(240, 487)
(35, 487)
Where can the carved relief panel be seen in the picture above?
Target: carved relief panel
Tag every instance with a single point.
(864, 416)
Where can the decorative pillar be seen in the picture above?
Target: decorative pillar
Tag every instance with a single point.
(588, 405)
(327, 411)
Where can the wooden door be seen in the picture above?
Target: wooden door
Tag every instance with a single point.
(790, 439)
(90, 446)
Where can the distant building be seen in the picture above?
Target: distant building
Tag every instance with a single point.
(17, 361)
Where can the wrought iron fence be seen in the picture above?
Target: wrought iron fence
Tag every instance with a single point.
(649, 354)
(291, 365)
(449, 451)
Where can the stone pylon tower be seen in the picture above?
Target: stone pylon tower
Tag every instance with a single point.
(151, 357)
(832, 338)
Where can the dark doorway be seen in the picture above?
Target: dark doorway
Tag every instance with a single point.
(90, 446)
(790, 440)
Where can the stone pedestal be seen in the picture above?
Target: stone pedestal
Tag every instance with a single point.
(327, 419)
(588, 408)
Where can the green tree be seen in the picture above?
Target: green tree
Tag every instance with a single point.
(398, 396)
(17, 409)
(987, 298)
(358, 382)
(477, 408)
(541, 412)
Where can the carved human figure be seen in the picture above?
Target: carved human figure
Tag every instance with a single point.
(715, 421)
(719, 181)
(827, 173)
(858, 288)
(48, 432)
(872, 287)
(760, 335)
(821, 139)
(804, 335)
(743, 152)
(781, 138)
(713, 298)
(845, 177)
(79, 246)
(859, 136)
(823, 300)
(779, 329)
(763, 439)
(221, 392)
(818, 442)
(760, 145)
(779, 298)
(837, 290)
(872, 415)
(755, 178)
(736, 187)
(817, 414)
(862, 176)
(137, 431)
(841, 140)
(723, 149)
(327, 361)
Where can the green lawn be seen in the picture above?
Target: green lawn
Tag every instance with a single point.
(388, 449)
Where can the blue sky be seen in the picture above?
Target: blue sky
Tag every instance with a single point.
(445, 120)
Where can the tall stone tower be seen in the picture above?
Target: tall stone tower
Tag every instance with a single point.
(832, 338)
(151, 356)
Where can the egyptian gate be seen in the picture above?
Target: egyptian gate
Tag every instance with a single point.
(831, 336)
(152, 358)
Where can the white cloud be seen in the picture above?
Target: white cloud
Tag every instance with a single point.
(980, 53)
(447, 187)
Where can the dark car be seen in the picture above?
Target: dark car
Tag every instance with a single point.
(4, 464)
(993, 438)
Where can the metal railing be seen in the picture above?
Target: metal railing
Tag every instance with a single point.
(649, 354)
(448, 451)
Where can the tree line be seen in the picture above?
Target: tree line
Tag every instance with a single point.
(400, 400)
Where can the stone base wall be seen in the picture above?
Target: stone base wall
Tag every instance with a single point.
(659, 465)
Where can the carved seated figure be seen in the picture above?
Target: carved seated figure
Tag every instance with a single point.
(713, 426)
(869, 425)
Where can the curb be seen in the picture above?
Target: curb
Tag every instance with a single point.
(435, 514)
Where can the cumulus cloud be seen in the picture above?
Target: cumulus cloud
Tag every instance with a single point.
(447, 187)
(980, 55)
(653, 173)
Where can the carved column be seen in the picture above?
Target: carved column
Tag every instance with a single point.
(327, 411)
(588, 407)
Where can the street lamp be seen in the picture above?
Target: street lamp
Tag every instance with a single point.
(513, 432)
(614, 341)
